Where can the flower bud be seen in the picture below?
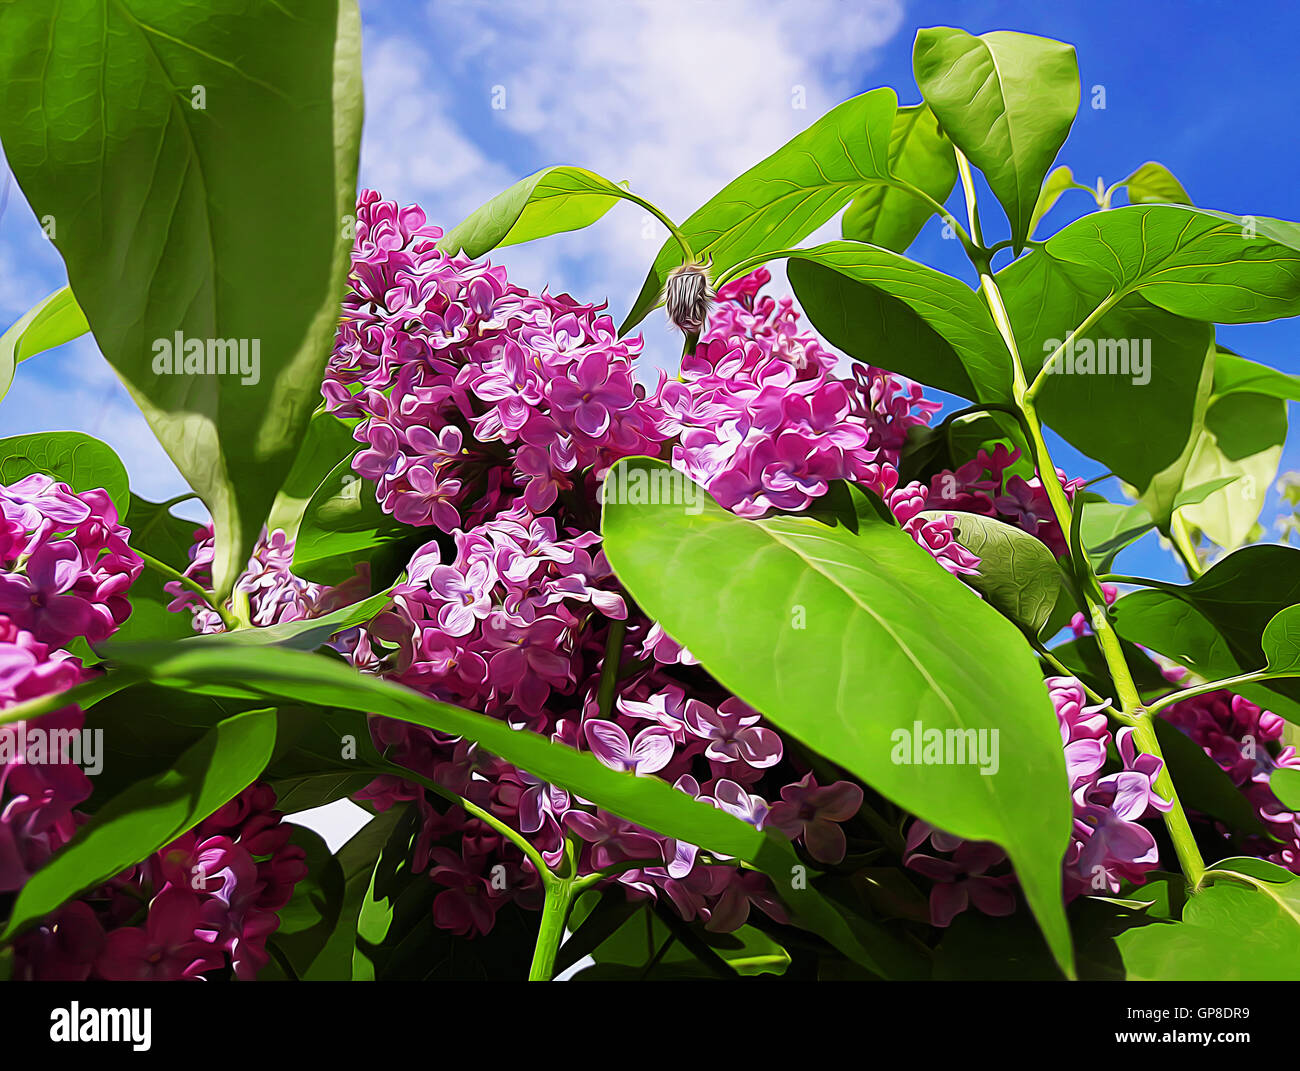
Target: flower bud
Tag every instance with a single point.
(687, 297)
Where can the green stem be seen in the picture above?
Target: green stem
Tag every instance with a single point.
(487, 817)
(1211, 686)
(560, 895)
(1049, 365)
(1181, 538)
(1180, 831)
(1130, 700)
(972, 207)
(162, 568)
(560, 891)
(609, 668)
(688, 254)
(1066, 671)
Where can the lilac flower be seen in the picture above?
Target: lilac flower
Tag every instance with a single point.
(466, 594)
(650, 752)
(733, 733)
(813, 813)
(42, 599)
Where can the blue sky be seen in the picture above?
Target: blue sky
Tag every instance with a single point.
(678, 96)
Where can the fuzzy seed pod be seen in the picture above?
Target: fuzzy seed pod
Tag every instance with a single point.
(687, 297)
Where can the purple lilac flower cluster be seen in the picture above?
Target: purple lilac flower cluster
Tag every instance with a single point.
(1108, 845)
(1236, 734)
(64, 572)
(490, 414)
(207, 900)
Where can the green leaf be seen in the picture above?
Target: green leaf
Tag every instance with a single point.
(1109, 527)
(150, 814)
(845, 641)
(1203, 265)
(881, 308)
(1214, 626)
(51, 322)
(554, 199)
(1233, 374)
(1285, 784)
(1018, 575)
(341, 525)
(1243, 927)
(356, 860)
(1153, 183)
(199, 165)
(1007, 101)
(920, 154)
(1242, 444)
(312, 914)
(1281, 641)
(82, 462)
(1100, 398)
(1060, 180)
(784, 198)
(328, 442)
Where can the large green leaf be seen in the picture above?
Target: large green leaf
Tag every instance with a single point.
(356, 861)
(784, 198)
(82, 462)
(846, 641)
(1106, 528)
(327, 441)
(52, 321)
(151, 814)
(1193, 262)
(198, 163)
(300, 677)
(312, 914)
(554, 199)
(1007, 101)
(920, 154)
(1243, 927)
(884, 309)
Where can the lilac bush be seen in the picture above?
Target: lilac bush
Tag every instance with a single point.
(764, 655)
